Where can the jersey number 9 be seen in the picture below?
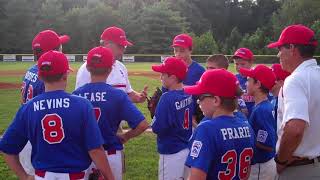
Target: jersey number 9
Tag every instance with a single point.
(52, 128)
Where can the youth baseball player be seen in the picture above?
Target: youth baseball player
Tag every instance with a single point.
(261, 79)
(115, 39)
(172, 121)
(111, 105)
(222, 147)
(61, 128)
(32, 86)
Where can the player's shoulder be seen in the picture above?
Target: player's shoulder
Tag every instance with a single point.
(120, 65)
(197, 66)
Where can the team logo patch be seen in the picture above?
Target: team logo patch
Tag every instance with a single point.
(262, 136)
(195, 149)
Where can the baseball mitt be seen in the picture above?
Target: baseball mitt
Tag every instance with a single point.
(153, 101)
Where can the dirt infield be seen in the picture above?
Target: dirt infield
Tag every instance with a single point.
(18, 73)
(9, 85)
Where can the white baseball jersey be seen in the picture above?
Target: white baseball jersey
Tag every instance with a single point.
(301, 101)
(118, 77)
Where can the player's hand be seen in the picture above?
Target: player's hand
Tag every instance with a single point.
(28, 177)
(280, 168)
(123, 138)
(143, 94)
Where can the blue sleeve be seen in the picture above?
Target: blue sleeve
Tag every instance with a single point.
(16, 136)
(161, 117)
(92, 134)
(202, 151)
(42, 87)
(262, 124)
(130, 113)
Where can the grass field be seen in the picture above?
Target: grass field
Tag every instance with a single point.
(141, 155)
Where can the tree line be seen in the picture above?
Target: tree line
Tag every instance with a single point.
(218, 26)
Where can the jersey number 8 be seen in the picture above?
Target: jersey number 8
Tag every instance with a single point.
(230, 158)
(52, 128)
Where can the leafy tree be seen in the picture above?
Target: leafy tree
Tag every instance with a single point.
(205, 44)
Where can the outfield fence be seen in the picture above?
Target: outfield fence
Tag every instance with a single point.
(266, 59)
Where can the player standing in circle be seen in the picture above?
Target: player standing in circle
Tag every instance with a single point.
(172, 121)
(32, 86)
(111, 105)
(61, 128)
(115, 39)
(298, 155)
(222, 146)
(243, 58)
(277, 92)
(261, 79)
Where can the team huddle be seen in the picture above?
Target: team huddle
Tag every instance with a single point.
(251, 124)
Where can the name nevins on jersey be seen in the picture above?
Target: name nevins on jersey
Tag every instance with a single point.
(95, 96)
(235, 133)
(183, 103)
(51, 104)
(31, 76)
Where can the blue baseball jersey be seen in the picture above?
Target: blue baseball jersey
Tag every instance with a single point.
(264, 126)
(31, 85)
(222, 147)
(274, 103)
(172, 121)
(249, 101)
(61, 129)
(111, 107)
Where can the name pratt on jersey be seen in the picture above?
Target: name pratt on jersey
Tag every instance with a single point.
(95, 97)
(235, 133)
(183, 103)
(31, 76)
(51, 104)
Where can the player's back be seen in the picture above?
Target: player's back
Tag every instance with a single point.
(173, 121)
(111, 107)
(31, 84)
(230, 143)
(60, 128)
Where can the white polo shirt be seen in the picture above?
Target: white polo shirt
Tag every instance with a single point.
(118, 77)
(301, 100)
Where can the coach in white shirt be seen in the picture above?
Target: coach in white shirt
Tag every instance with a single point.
(298, 156)
(115, 39)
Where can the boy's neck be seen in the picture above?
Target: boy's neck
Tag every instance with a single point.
(177, 86)
(55, 86)
(259, 97)
(96, 79)
(189, 61)
(222, 112)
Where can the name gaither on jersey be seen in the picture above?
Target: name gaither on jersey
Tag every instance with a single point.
(51, 104)
(183, 103)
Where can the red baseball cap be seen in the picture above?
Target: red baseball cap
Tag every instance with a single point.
(182, 40)
(218, 82)
(279, 72)
(116, 35)
(172, 66)
(261, 73)
(100, 57)
(53, 63)
(47, 40)
(243, 53)
(295, 34)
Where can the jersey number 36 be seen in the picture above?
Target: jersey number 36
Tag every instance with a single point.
(52, 128)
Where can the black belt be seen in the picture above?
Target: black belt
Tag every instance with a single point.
(302, 162)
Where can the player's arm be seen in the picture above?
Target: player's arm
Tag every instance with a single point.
(99, 158)
(137, 97)
(15, 165)
(197, 174)
(263, 147)
(143, 125)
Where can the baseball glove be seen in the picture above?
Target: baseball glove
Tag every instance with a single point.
(95, 175)
(153, 101)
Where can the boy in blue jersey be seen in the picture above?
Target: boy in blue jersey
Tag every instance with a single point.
(111, 105)
(32, 86)
(243, 58)
(220, 61)
(261, 79)
(222, 146)
(172, 121)
(61, 128)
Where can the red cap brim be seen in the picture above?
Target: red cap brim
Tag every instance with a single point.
(194, 90)
(126, 43)
(246, 72)
(274, 45)
(64, 39)
(179, 45)
(158, 68)
(240, 56)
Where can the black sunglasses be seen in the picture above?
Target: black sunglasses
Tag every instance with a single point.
(203, 96)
